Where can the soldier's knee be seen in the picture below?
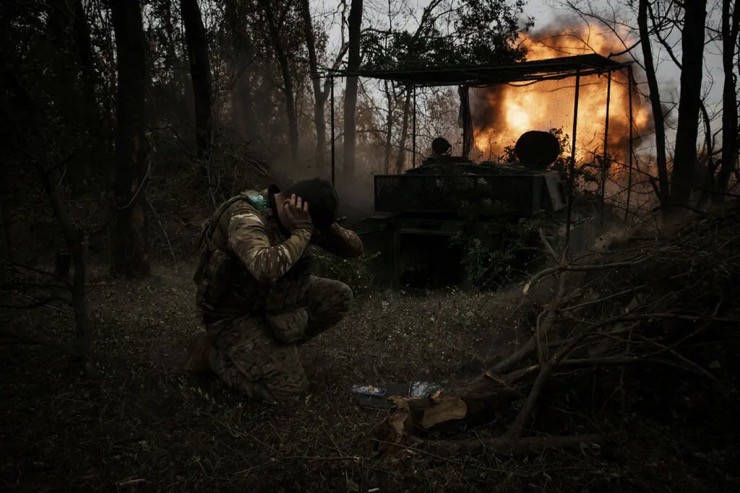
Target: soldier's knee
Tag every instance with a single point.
(329, 305)
(344, 296)
(290, 326)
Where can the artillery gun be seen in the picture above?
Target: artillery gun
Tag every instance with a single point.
(421, 213)
(418, 214)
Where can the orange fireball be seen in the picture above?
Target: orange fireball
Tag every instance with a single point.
(502, 113)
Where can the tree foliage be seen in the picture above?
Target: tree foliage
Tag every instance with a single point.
(465, 32)
(683, 48)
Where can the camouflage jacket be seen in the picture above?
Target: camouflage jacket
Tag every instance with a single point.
(248, 252)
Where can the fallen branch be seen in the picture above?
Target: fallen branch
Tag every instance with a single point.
(514, 446)
(161, 227)
(582, 268)
(13, 263)
(599, 319)
(31, 339)
(541, 330)
(515, 430)
(627, 360)
(36, 303)
(548, 247)
(318, 458)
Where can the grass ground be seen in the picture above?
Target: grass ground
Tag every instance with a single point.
(144, 424)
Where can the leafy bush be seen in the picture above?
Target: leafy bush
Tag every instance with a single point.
(495, 252)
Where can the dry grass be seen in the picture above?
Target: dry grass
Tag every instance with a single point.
(146, 425)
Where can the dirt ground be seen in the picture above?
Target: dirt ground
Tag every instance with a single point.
(144, 424)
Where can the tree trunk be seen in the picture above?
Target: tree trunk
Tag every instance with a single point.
(389, 96)
(200, 74)
(6, 244)
(30, 141)
(692, 46)
(703, 178)
(61, 66)
(73, 87)
(241, 56)
(171, 56)
(73, 240)
(658, 118)
(86, 57)
(401, 157)
(284, 63)
(466, 120)
(730, 139)
(128, 229)
(319, 114)
(350, 95)
(107, 76)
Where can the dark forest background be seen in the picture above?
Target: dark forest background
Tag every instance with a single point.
(124, 123)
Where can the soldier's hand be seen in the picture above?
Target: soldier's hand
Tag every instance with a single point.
(296, 212)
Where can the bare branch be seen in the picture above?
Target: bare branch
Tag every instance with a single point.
(31, 339)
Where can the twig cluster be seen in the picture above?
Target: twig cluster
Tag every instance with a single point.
(646, 304)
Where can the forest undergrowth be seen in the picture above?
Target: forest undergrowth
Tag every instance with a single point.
(142, 423)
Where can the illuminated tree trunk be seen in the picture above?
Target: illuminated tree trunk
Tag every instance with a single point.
(128, 228)
(282, 57)
(730, 139)
(319, 114)
(241, 53)
(350, 95)
(401, 158)
(658, 118)
(200, 74)
(466, 120)
(692, 45)
(388, 126)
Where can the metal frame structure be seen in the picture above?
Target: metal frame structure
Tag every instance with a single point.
(528, 71)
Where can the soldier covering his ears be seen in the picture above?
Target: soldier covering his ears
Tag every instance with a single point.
(255, 292)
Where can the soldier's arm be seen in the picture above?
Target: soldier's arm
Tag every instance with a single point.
(339, 241)
(248, 240)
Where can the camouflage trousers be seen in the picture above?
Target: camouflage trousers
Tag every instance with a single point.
(258, 354)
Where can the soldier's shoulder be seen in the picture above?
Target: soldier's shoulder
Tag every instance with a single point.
(249, 201)
(245, 210)
(243, 206)
(258, 200)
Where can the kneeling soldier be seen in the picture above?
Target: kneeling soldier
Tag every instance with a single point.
(255, 292)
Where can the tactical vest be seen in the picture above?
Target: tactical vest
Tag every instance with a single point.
(215, 267)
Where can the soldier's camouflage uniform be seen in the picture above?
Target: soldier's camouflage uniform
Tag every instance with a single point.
(258, 299)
